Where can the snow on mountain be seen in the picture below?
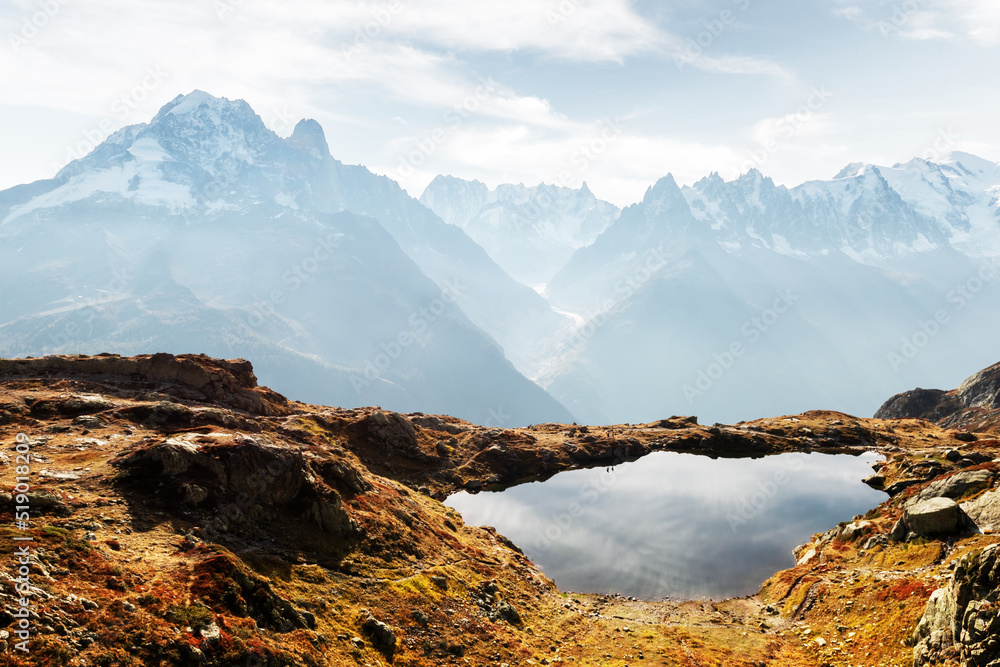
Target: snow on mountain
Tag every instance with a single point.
(859, 213)
(202, 156)
(683, 300)
(204, 231)
(529, 231)
(243, 229)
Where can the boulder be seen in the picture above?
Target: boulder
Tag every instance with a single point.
(853, 531)
(956, 486)
(937, 516)
(985, 511)
(382, 636)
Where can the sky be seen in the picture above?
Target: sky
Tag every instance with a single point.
(611, 92)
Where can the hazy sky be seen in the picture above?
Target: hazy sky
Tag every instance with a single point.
(613, 92)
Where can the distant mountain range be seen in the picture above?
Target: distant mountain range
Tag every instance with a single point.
(203, 231)
(530, 232)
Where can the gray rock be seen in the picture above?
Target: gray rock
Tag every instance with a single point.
(960, 623)
(937, 516)
(956, 486)
(875, 481)
(985, 511)
(41, 502)
(853, 531)
(507, 613)
(879, 540)
(382, 636)
(899, 530)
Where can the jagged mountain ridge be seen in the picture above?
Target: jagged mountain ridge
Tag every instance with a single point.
(202, 155)
(529, 231)
(681, 277)
(667, 286)
(204, 230)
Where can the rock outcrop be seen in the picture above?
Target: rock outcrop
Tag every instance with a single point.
(974, 406)
(962, 620)
(241, 483)
(985, 511)
(230, 383)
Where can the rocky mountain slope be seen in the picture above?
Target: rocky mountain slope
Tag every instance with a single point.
(179, 514)
(975, 405)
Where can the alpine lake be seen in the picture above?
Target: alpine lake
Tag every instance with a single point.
(673, 525)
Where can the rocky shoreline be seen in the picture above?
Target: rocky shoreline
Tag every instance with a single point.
(217, 522)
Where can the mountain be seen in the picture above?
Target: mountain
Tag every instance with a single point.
(870, 212)
(202, 230)
(529, 231)
(974, 406)
(740, 298)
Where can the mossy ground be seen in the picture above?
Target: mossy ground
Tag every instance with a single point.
(128, 579)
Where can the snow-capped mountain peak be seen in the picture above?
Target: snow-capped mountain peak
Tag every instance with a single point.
(530, 231)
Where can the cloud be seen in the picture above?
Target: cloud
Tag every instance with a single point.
(851, 12)
(624, 162)
(578, 30)
(981, 19)
(746, 65)
(977, 20)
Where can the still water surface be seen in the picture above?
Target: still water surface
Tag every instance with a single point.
(676, 525)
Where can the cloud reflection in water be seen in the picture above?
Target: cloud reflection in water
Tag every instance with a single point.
(676, 525)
